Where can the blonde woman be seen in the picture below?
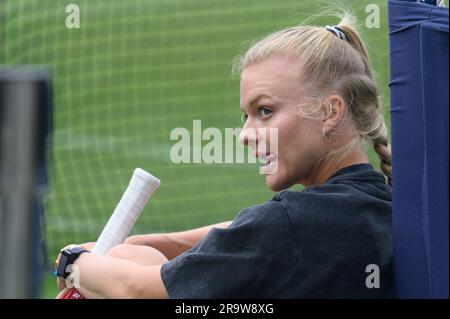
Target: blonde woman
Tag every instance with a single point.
(333, 238)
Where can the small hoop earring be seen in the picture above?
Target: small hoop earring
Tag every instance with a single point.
(327, 137)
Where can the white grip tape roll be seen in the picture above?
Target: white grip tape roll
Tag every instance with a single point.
(141, 188)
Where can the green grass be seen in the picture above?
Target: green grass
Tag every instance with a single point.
(48, 286)
(134, 71)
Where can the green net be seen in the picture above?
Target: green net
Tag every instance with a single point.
(133, 72)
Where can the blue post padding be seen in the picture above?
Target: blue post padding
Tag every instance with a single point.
(418, 41)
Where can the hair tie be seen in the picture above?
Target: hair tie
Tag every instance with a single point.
(337, 32)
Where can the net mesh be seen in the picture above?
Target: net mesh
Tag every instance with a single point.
(133, 72)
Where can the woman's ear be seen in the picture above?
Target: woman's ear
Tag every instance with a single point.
(335, 112)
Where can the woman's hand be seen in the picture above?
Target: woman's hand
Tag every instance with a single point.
(89, 245)
(60, 282)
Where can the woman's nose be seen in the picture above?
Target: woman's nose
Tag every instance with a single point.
(248, 135)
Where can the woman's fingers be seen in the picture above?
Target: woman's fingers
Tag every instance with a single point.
(62, 293)
(60, 283)
(89, 245)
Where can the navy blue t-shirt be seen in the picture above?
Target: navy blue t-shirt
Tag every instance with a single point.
(314, 243)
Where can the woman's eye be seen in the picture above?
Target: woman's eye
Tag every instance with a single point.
(264, 111)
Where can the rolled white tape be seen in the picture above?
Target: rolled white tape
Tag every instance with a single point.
(141, 188)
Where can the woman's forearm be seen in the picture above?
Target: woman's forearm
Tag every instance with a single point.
(176, 243)
(107, 277)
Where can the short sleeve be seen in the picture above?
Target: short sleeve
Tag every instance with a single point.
(241, 261)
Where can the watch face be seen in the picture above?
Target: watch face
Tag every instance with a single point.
(62, 265)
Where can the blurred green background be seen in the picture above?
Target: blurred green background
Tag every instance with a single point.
(130, 74)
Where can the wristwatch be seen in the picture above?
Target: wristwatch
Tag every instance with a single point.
(68, 257)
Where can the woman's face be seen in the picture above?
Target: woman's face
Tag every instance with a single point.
(270, 98)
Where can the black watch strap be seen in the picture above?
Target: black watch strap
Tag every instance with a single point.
(68, 257)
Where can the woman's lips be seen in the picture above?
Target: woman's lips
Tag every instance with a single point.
(270, 164)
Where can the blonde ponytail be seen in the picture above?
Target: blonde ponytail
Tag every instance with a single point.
(378, 136)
